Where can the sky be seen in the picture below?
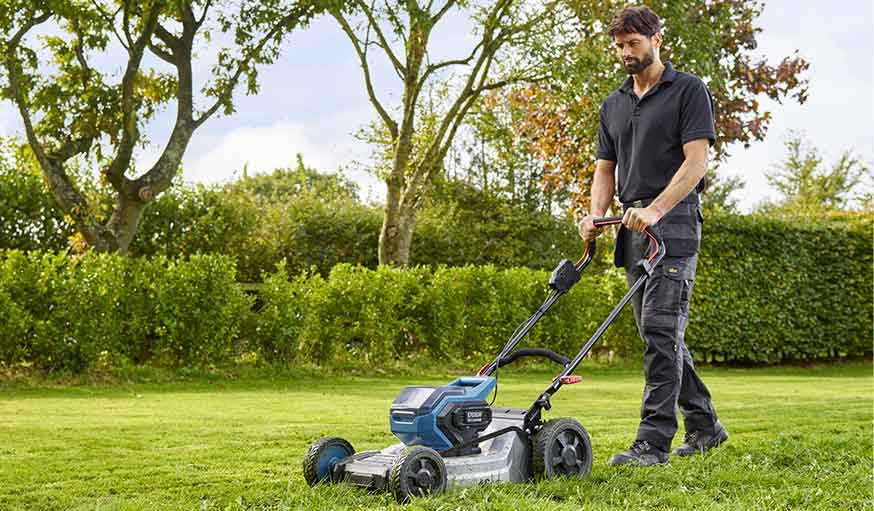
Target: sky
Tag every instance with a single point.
(312, 101)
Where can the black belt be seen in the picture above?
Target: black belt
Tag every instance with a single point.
(642, 203)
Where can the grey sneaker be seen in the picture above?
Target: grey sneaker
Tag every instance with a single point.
(642, 454)
(697, 441)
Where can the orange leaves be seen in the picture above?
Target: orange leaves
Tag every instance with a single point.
(561, 136)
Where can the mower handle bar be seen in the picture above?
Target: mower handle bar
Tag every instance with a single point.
(658, 247)
(581, 264)
(534, 352)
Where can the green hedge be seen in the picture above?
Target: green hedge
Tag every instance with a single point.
(772, 289)
(454, 313)
(61, 312)
(767, 290)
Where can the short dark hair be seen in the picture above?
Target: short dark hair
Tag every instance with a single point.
(638, 19)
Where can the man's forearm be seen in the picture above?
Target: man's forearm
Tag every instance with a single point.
(684, 181)
(602, 187)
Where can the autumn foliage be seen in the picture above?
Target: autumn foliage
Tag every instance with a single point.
(714, 40)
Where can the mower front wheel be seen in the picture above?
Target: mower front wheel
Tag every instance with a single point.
(562, 448)
(323, 454)
(417, 472)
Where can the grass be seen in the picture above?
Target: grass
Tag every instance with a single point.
(801, 438)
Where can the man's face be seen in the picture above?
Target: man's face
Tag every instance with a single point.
(636, 51)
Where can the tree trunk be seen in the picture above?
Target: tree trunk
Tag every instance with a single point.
(394, 241)
(124, 222)
(396, 236)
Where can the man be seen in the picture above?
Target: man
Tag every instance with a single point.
(656, 130)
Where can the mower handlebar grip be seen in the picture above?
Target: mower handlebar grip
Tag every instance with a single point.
(613, 220)
(607, 220)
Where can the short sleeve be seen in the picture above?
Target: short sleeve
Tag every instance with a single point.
(696, 114)
(606, 147)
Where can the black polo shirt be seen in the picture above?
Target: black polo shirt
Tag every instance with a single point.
(645, 136)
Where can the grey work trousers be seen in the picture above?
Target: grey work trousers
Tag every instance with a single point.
(661, 311)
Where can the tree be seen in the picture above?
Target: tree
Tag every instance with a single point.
(806, 185)
(414, 156)
(73, 110)
(718, 196)
(284, 183)
(492, 158)
(715, 40)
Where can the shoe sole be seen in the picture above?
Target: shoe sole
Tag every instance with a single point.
(717, 440)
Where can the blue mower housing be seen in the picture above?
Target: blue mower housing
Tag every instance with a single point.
(440, 417)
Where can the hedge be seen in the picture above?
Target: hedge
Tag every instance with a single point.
(772, 289)
(61, 312)
(767, 290)
(454, 313)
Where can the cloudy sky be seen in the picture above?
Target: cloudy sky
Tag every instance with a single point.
(312, 101)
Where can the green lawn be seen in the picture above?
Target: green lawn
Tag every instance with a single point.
(800, 439)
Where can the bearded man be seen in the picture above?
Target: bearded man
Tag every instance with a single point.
(655, 133)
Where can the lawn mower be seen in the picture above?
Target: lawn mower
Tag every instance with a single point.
(451, 436)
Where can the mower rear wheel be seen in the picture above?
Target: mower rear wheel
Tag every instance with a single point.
(323, 454)
(417, 472)
(562, 448)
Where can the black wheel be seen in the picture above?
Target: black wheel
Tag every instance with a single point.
(323, 454)
(417, 472)
(562, 448)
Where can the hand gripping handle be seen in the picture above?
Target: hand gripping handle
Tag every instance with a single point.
(656, 239)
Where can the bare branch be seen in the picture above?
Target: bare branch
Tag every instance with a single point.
(125, 26)
(290, 18)
(129, 132)
(80, 55)
(161, 53)
(442, 11)
(167, 37)
(202, 18)
(70, 148)
(399, 67)
(474, 85)
(446, 63)
(362, 56)
(510, 81)
(394, 13)
(14, 87)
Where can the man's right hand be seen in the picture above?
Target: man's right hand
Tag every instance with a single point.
(587, 228)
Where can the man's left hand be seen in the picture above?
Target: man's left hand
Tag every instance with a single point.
(638, 219)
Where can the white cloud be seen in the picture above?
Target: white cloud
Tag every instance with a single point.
(262, 148)
(221, 158)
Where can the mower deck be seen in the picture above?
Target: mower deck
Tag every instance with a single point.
(504, 458)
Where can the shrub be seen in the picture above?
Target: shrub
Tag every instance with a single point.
(767, 290)
(370, 317)
(65, 312)
(772, 289)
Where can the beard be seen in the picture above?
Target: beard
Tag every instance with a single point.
(638, 65)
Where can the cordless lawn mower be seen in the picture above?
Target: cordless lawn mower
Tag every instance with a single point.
(452, 437)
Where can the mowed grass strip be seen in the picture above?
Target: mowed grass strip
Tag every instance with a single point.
(800, 439)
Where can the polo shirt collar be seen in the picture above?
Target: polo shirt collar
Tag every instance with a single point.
(668, 76)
